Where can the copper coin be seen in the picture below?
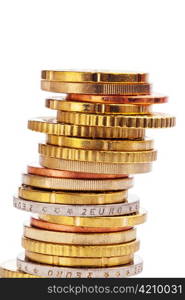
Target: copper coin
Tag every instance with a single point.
(143, 99)
(69, 228)
(38, 170)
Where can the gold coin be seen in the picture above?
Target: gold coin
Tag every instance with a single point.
(66, 197)
(121, 221)
(80, 251)
(125, 88)
(79, 238)
(155, 120)
(98, 108)
(50, 126)
(9, 270)
(94, 167)
(77, 184)
(97, 156)
(93, 76)
(99, 144)
(79, 261)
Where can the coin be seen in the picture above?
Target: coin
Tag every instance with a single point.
(93, 76)
(80, 251)
(38, 170)
(69, 197)
(116, 221)
(114, 157)
(124, 88)
(100, 144)
(77, 184)
(97, 108)
(77, 210)
(65, 272)
(9, 270)
(50, 126)
(79, 238)
(118, 99)
(79, 261)
(68, 228)
(95, 167)
(155, 120)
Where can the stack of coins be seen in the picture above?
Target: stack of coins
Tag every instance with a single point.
(85, 222)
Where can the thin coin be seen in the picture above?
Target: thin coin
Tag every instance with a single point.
(43, 270)
(79, 229)
(38, 170)
(49, 125)
(80, 250)
(100, 144)
(79, 261)
(94, 167)
(69, 197)
(9, 270)
(117, 221)
(93, 76)
(118, 209)
(79, 238)
(155, 120)
(124, 88)
(114, 157)
(98, 108)
(77, 184)
(118, 99)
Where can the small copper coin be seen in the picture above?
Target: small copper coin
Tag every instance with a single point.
(68, 228)
(143, 99)
(38, 170)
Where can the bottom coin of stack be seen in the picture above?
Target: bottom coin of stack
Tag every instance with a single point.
(84, 226)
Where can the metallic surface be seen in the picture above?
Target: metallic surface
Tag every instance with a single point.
(77, 184)
(9, 270)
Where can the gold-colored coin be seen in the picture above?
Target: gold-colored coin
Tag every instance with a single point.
(77, 184)
(98, 108)
(79, 261)
(94, 167)
(100, 144)
(79, 238)
(66, 197)
(9, 270)
(155, 120)
(50, 126)
(80, 251)
(93, 76)
(124, 88)
(121, 221)
(97, 156)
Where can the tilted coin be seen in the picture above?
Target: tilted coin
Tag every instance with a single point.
(93, 76)
(117, 99)
(43, 270)
(49, 125)
(79, 238)
(100, 144)
(116, 221)
(72, 197)
(80, 250)
(95, 167)
(114, 157)
(154, 120)
(39, 170)
(36, 222)
(97, 108)
(79, 261)
(123, 88)
(9, 270)
(78, 210)
(77, 184)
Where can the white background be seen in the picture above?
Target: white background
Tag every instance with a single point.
(126, 35)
